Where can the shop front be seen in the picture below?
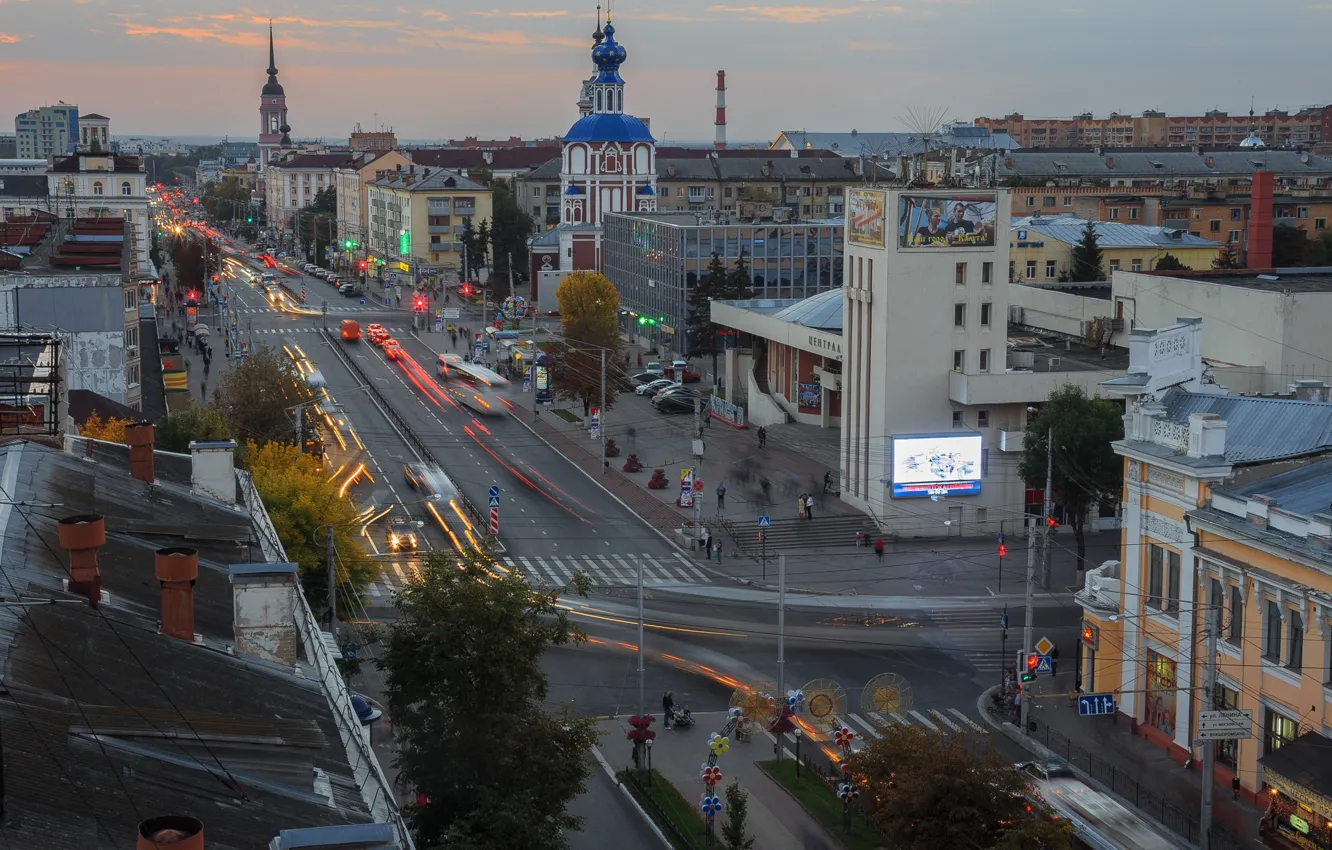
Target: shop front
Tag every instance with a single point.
(1298, 777)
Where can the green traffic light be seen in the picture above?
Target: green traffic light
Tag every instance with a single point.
(1028, 677)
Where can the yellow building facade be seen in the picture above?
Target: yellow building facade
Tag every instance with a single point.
(1227, 521)
(1041, 247)
(417, 216)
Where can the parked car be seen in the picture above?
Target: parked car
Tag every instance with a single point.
(308, 267)
(654, 387)
(644, 378)
(350, 290)
(675, 404)
(656, 368)
(675, 391)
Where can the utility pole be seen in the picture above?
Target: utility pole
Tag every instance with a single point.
(1048, 507)
(332, 584)
(1209, 746)
(603, 411)
(698, 468)
(510, 274)
(300, 442)
(642, 703)
(1031, 564)
(781, 640)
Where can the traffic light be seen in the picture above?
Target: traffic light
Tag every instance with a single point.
(419, 303)
(1003, 550)
(249, 219)
(361, 265)
(465, 289)
(1051, 522)
(1029, 673)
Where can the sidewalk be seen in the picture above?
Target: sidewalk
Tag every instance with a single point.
(775, 820)
(1142, 775)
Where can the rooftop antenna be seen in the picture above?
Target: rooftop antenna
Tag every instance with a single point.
(925, 121)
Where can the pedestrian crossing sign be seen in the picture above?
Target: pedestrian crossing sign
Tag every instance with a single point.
(765, 521)
(494, 501)
(1043, 664)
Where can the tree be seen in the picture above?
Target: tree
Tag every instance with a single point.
(325, 201)
(1229, 258)
(302, 502)
(1288, 246)
(256, 397)
(112, 429)
(1086, 471)
(737, 813)
(1086, 256)
(178, 429)
(740, 281)
(483, 240)
(924, 790)
(491, 768)
(589, 307)
(717, 284)
(1169, 262)
(470, 258)
(509, 229)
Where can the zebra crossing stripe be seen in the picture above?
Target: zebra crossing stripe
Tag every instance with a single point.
(880, 719)
(950, 724)
(924, 721)
(867, 726)
(556, 570)
(611, 573)
(897, 718)
(975, 727)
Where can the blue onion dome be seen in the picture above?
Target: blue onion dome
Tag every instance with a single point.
(609, 55)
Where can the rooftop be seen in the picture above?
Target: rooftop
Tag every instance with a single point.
(107, 718)
(686, 218)
(98, 162)
(428, 180)
(1068, 228)
(40, 245)
(1258, 430)
(1279, 280)
(856, 144)
(1305, 491)
(493, 158)
(1161, 164)
(756, 169)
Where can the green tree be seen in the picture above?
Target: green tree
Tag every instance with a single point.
(923, 790)
(1289, 245)
(1169, 262)
(734, 830)
(178, 429)
(470, 258)
(303, 503)
(483, 240)
(509, 228)
(1229, 257)
(325, 201)
(1086, 470)
(256, 399)
(228, 200)
(741, 280)
(589, 307)
(717, 284)
(492, 769)
(1086, 256)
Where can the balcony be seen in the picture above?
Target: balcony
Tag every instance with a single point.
(441, 246)
(461, 210)
(440, 228)
(1021, 387)
(1011, 441)
(439, 207)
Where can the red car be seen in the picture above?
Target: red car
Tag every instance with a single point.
(392, 350)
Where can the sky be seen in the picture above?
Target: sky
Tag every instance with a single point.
(468, 67)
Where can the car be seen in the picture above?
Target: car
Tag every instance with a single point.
(654, 387)
(373, 328)
(350, 290)
(308, 267)
(656, 368)
(675, 392)
(675, 404)
(644, 378)
(402, 534)
(379, 337)
(392, 350)
(413, 477)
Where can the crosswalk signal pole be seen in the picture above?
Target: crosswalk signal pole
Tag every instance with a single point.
(781, 640)
(1031, 564)
(642, 703)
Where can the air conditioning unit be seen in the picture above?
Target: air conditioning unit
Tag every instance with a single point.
(1022, 359)
(1015, 314)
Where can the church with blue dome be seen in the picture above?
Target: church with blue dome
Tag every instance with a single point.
(609, 158)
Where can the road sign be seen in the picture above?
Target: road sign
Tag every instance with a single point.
(1096, 704)
(494, 501)
(1043, 664)
(493, 491)
(765, 521)
(494, 521)
(1003, 621)
(1225, 724)
(698, 485)
(452, 313)
(1044, 646)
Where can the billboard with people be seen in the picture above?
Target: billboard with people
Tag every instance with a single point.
(943, 221)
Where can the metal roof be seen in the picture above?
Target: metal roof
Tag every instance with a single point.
(1160, 164)
(821, 312)
(1305, 491)
(1259, 429)
(1109, 234)
(858, 144)
(608, 127)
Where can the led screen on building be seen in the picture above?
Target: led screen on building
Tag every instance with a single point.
(942, 221)
(936, 465)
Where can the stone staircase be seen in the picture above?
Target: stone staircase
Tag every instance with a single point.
(789, 534)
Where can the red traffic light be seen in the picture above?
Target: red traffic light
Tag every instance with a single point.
(192, 296)
(465, 289)
(1003, 550)
(1050, 521)
(1032, 661)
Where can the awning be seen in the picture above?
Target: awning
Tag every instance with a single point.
(175, 381)
(202, 330)
(1302, 770)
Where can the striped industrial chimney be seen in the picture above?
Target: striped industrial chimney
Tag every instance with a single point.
(720, 144)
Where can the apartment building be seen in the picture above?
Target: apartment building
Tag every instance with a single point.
(1042, 247)
(1153, 128)
(47, 131)
(417, 216)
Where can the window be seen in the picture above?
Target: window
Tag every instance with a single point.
(1214, 226)
(1163, 575)
(1114, 265)
(1294, 639)
(1031, 200)
(982, 514)
(97, 187)
(985, 360)
(983, 416)
(536, 212)
(1136, 264)
(1051, 269)
(1196, 213)
(126, 188)
(132, 375)
(959, 315)
(960, 273)
(1235, 213)
(1114, 213)
(1048, 201)
(985, 314)
(131, 338)
(1227, 751)
(987, 271)
(1272, 632)
(536, 191)
(959, 360)
(818, 191)
(726, 193)
(1278, 730)
(957, 419)
(1068, 200)
(1031, 269)
(1232, 236)
(1302, 212)
(1320, 224)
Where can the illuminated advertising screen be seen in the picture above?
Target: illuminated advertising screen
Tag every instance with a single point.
(946, 221)
(865, 224)
(936, 465)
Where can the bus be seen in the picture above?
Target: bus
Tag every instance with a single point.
(472, 385)
(1100, 822)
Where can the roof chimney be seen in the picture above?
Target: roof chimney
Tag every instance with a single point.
(720, 143)
(213, 470)
(1259, 248)
(82, 535)
(139, 436)
(177, 568)
(171, 832)
(264, 611)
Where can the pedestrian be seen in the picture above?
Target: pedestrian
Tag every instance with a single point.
(205, 368)
(667, 703)
(708, 546)
(827, 481)
(636, 764)
(640, 360)
(721, 497)
(859, 538)
(800, 506)
(1017, 706)
(1054, 660)
(809, 506)
(717, 550)
(878, 549)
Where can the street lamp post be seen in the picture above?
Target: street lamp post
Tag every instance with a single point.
(796, 732)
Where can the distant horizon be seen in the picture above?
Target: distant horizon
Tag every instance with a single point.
(204, 141)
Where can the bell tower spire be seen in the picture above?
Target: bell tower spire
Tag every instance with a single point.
(273, 127)
(272, 63)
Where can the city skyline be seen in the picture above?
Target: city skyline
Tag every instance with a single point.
(477, 70)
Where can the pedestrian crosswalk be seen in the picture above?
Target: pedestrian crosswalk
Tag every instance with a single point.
(314, 329)
(975, 633)
(606, 570)
(947, 721)
(392, 576)
(311, 303)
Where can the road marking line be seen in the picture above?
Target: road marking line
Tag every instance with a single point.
(897, 718)
(879, 718)
(702, 576)
(975, 727)
(630, 568)
(866, 725)
(609, 573)
(925, 721)
(950, 724)
(554, 565)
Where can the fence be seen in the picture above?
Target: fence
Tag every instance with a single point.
(680, 835)
(1150, 803)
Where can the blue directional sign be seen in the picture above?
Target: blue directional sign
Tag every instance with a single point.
(494, 491)
(1003, 621)
(494, 501)
(1096, 704)
(765, 521)
(1043, 664)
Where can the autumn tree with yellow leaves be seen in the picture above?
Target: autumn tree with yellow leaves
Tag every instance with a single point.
(589, 315)
(111, 429)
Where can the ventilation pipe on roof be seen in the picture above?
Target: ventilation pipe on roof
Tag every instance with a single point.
(176, 832)
(82, 535)
(177, 568)
(139, 436)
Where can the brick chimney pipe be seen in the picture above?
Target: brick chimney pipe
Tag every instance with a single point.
(82, 535)
(171, 832)
(139, 436)
(177, 568)
(1259, 254)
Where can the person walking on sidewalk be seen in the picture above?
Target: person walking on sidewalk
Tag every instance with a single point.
(800, 506)
(827, 481)
(721, 497)
(809, 506)
(667, 703)
(717, 550)
(762, 436)
(707, 546)
(878, 549)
